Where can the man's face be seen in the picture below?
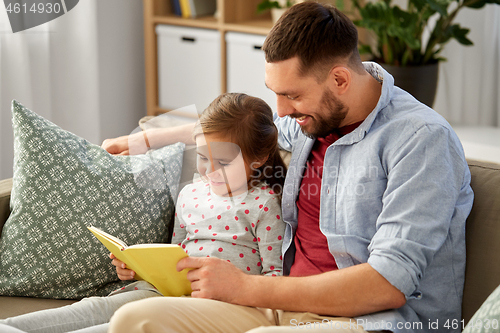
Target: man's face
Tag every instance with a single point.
(312, 104)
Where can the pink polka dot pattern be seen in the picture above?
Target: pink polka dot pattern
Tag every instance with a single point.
(246, 231)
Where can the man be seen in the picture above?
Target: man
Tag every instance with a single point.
(375, 202)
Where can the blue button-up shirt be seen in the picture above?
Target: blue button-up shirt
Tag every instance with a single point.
(395, 194)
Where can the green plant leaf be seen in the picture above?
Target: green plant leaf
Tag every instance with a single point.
(438, 6)
(399, 32)
(266, 5)
(482, 3)
(403, 27)
(365, 49)
(460, 34)
(340, 5)
(457, 32)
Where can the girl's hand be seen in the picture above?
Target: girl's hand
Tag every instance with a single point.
(214, 278)
(121, 270)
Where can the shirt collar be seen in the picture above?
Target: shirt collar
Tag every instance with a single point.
(382, 76)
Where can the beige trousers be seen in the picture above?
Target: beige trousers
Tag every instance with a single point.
(186, 314)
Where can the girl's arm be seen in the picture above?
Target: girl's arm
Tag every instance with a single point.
(269, 232)
(179, 232)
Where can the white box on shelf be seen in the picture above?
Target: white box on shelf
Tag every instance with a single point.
(246, 66)
(188, 66)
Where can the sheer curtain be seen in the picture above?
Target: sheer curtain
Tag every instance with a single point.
(469, 82)
(84, 71)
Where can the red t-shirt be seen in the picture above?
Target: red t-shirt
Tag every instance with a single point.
(312, 255)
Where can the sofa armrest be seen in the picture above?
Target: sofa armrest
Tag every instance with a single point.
(482, 272)
(5, 187)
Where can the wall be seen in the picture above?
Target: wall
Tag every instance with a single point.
(84, 71)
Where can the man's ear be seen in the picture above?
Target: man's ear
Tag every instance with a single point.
(339, 79)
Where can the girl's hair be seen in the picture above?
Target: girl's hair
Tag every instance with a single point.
(248, 122)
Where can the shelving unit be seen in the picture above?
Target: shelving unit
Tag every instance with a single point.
(232, 15)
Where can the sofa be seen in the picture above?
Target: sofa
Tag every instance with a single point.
(482, 236)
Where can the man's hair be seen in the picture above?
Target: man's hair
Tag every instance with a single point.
(319, 35)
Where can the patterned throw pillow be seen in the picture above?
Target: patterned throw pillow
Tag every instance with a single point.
(487, 318)
(63, 183)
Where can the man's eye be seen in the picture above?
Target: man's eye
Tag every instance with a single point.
(291, 97)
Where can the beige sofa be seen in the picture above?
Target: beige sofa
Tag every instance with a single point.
(483, 245)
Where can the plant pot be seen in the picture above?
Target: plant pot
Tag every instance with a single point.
(276, 13)
(420, 81)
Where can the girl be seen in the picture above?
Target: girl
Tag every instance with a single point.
(233, 211)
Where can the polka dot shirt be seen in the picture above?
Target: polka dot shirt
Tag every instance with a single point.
(246, 230)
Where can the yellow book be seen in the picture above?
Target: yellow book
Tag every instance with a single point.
(185, 8)
(154, 263)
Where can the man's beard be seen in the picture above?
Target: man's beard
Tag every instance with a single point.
(327, 117)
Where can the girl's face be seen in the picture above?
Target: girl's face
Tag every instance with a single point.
(221, 164)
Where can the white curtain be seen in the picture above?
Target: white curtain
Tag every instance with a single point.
(84, 71)
(469, 82)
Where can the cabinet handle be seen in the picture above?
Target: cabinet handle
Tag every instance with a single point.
(257, 47)
(188, 39)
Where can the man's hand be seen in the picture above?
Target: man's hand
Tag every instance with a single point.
(140, 142)
(121, 269)
(133, 144)
(214, 278)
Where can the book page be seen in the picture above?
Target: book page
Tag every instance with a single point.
(149, 245)
(111, 238)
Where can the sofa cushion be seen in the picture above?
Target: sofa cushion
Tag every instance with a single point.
(15, 306)
(487, 318)
(5, 186)
(61, 184)
(482, 272)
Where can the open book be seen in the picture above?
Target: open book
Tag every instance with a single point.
(154, 263)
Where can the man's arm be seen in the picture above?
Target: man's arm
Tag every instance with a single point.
(139, 143)
(347, 292)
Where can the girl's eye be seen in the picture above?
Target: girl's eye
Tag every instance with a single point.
(223, 164)
(203, 158)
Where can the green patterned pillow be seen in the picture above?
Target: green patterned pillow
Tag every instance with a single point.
(62, 183)
(487, 318)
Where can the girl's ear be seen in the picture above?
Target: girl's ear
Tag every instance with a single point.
(259, 163)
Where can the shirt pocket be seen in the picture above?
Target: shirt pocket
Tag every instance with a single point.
(361, 206)
(362, 191)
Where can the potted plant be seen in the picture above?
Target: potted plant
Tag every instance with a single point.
(277, 7)
(402, 43)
